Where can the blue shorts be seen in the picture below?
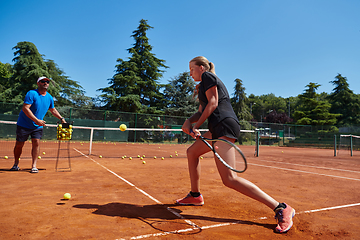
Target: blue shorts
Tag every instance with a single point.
(22, 134)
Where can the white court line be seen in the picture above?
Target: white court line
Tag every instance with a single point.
(331, 208)
(142, 191)
(294, 170)
(233, 223)
(295, 164)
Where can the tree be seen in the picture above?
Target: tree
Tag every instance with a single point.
(262, 105)
(274, 117)
(179, 95)
(239, 101)
(6, 72)
(134, 87)
(343, 101)
(313, 111)
(29, 66)
(64, 90)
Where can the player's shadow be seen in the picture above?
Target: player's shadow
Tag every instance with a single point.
(21, 170)
(160, 216)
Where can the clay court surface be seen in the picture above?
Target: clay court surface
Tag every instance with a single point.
(115, 198)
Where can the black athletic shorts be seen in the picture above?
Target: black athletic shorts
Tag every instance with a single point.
(228, 127)
(22, 134)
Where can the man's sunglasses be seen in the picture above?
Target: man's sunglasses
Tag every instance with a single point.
(44, 81)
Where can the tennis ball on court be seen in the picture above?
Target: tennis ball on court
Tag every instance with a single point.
(44, 153)
(171, 156)
(67, 196)
(138, 156)
(122, 127)
(100, 156)
(201, 157)
(130, 158)
(6, 157)
(162, 158)
(144, 162)
(141, 158)
(154, 157)
(39, 157)
(176, 154)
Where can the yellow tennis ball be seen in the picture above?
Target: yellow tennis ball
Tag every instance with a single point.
(154, 157)
(144, 162)
(130, 158)
(162, 158)
(44, 153)
(122, 127)
(100, 156)
(67, 196)
(39, 157)
(6, 157)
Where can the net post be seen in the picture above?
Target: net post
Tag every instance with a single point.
(91, 138)
(351, 145)
(256, 143)
(334, 145)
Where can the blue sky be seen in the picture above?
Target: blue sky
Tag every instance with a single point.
(274, 46)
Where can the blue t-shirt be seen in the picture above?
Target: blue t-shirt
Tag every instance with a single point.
(39, 106)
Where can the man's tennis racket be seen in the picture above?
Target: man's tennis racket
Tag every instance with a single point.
(240, 164)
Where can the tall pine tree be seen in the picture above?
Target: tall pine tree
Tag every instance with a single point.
(239, 101)
(345, 102)
(135, 87)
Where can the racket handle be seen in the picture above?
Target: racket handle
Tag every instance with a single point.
(191, 131)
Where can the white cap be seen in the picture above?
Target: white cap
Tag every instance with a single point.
(41, 78)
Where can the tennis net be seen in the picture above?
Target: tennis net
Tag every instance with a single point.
(91, 138)
(348, 144)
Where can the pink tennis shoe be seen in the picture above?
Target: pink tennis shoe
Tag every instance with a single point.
(284, 217)
(191, 201)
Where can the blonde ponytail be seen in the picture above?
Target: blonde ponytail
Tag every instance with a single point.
(202, 61)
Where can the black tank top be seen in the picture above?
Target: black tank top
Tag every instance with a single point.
(224, 109)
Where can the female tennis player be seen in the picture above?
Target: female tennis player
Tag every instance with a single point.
(222, 123)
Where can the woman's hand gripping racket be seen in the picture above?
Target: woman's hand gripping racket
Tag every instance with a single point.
(240, 163)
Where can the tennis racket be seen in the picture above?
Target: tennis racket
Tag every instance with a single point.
(240, 163)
